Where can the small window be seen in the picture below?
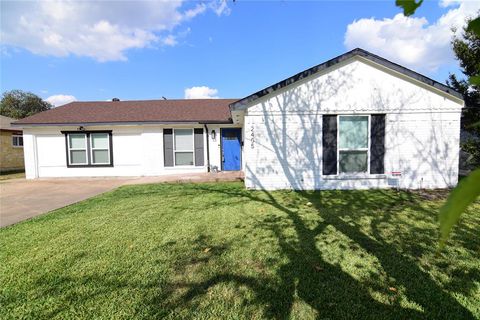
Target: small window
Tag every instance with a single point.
(77, 148)
(89, 149)
(183, 147)
(17, 140)
(100, 148)
(353, 144)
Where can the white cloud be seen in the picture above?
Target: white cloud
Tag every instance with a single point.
(60, 99)
(220, 7)
(102, 30)
(412, 41)
(192, 13)
(170, 40)
(202, 92)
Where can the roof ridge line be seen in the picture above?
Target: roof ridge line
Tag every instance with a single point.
(338, 59)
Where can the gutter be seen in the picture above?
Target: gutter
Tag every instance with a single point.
(11, 130)
(208, 149)
(126, 123)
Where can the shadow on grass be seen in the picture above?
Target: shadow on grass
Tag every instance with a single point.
(326, 287)
(383, 234)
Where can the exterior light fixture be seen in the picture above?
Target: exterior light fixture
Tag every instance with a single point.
(81, 128)
(213, 135)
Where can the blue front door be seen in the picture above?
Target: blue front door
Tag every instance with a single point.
(231, 149)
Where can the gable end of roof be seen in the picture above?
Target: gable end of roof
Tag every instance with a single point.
(241, 104)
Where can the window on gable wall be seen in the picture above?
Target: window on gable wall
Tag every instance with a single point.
(353, 148)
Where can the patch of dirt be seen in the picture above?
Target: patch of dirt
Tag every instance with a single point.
(431, 195)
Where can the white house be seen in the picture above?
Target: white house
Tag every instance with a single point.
(356, 121)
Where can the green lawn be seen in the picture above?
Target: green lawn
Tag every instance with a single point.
(211, 251)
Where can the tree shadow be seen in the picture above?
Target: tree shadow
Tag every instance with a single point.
(329, 290)
(304, 226)
(284, 151)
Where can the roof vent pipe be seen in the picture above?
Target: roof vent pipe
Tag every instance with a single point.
(115, 99)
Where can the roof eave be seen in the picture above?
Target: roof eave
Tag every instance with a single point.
(10, 129)
(119, 123)
(242, 103)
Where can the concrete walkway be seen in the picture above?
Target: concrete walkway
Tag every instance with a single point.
(21, 199)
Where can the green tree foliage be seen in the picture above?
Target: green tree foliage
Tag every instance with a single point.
(458, 200)
(409, 6)
(19, 104)
(474, 28)
(467, 52)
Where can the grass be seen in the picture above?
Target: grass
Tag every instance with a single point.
(12, 175)
(211, 251)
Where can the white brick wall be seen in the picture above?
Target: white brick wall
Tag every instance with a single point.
(422, 130)
(425, 147)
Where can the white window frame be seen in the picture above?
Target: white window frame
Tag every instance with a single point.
(17, 137)
(74, 149)
(92, 149)
(175, 148)
(368, 116)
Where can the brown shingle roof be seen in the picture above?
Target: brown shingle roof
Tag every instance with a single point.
(194, 110)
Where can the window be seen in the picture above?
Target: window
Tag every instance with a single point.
(183, 147)
(17, 140)
(77, 148)
(89, 149)
(353, 144)
(100, 144)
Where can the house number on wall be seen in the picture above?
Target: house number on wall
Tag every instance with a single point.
(252, 137)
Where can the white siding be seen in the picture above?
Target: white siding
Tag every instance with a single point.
(137, 151)
(283, 144)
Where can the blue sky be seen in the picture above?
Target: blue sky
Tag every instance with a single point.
(103, 50)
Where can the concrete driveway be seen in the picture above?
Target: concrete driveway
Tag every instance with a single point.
(21, 199)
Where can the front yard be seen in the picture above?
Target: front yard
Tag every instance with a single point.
(211, 251)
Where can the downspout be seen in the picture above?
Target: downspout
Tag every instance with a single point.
(208, 149)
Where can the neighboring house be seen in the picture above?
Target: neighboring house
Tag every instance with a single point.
(11, 144)
(356, 121)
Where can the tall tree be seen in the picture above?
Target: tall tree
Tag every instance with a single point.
(19, 104)
(467, 52)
